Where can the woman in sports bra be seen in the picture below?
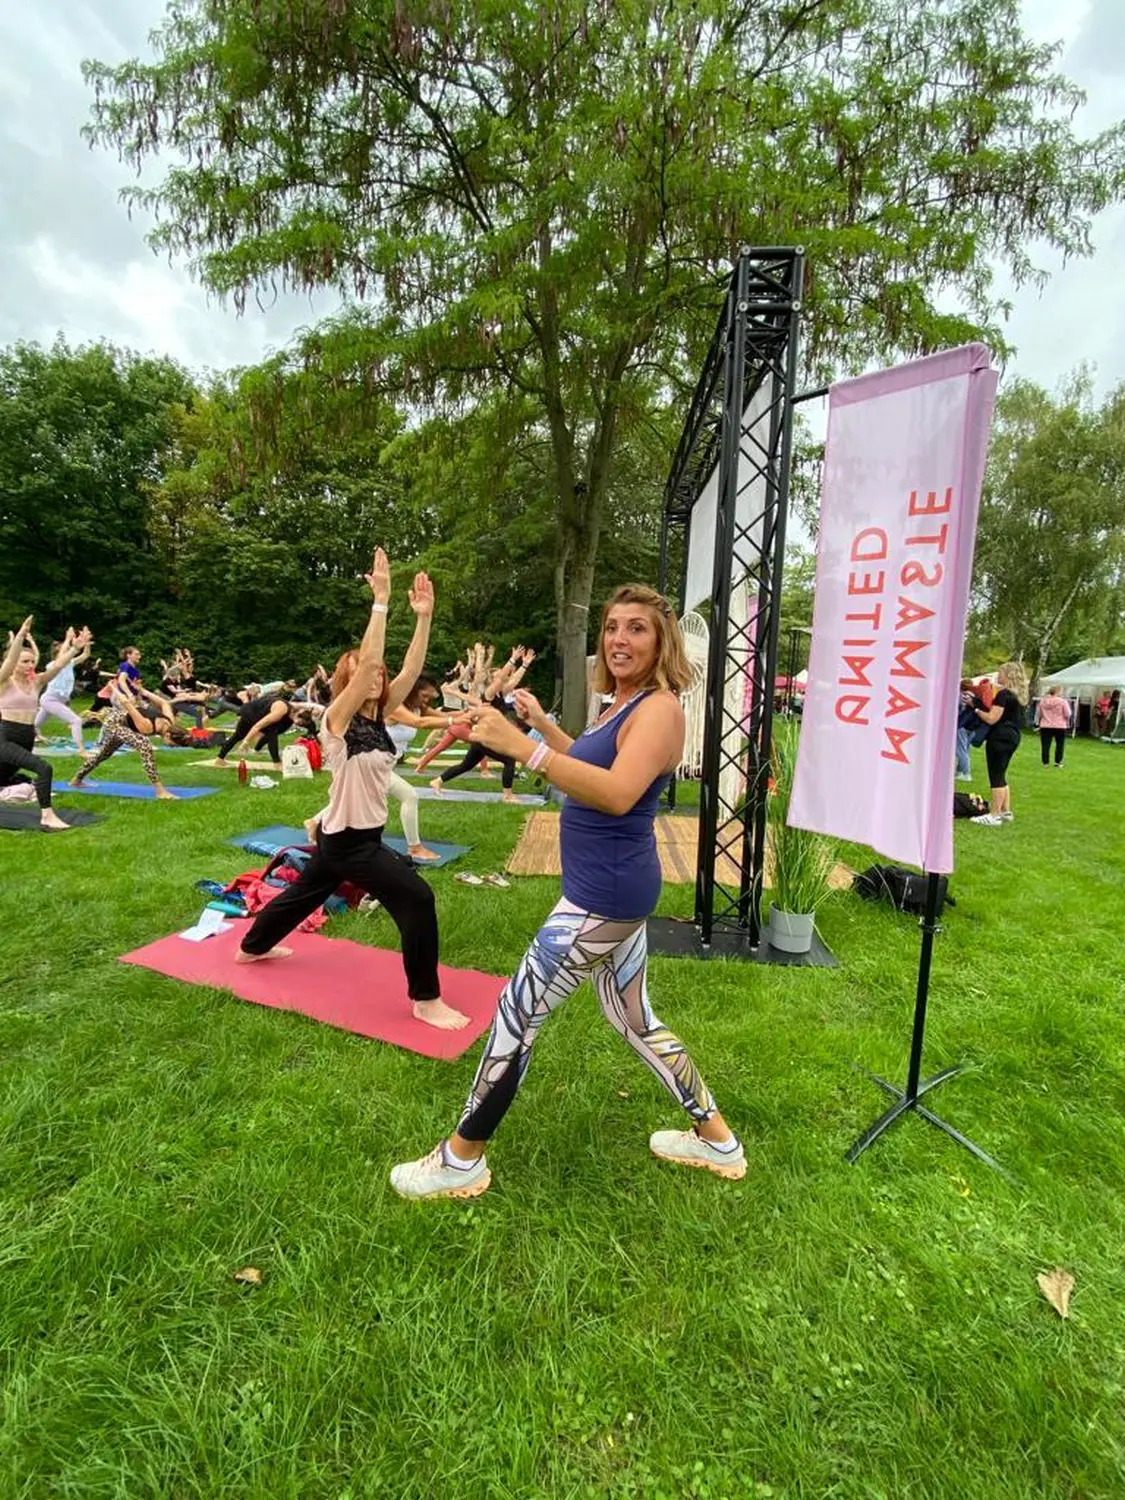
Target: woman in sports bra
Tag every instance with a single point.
(21, 683)
(612, 775)
(349, 841)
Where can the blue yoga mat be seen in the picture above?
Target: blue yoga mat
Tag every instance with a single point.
(121, 750)
(138, 790)
(268, 841)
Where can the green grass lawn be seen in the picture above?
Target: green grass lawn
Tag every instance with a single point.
(599, 1323)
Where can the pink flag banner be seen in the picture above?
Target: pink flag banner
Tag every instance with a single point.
(903, 467)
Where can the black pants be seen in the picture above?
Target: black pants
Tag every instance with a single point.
(16, 741)
(247, 719)
(190, 708)
(1045, 738)
(998, 751)
(358, 855)
(473, 757)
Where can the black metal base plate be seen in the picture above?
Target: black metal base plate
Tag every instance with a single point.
(672, 937)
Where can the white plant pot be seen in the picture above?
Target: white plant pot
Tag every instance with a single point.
(789, 931)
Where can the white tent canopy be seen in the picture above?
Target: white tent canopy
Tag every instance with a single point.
(1094, 672)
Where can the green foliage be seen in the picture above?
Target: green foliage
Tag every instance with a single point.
(541, 199)
(800, 862)
(1049, 577)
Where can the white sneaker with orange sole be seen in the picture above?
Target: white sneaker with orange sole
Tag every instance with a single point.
(691, 1150)
(431, 1177)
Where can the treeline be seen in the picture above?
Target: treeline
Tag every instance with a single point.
(238, 518)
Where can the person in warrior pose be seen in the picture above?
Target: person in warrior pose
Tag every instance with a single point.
(60, 689)
(126, 725)
(349, 842)
(502, 682)
(612, 775)
(20, 686)
(265, 718)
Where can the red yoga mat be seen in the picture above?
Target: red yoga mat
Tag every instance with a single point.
(350, 985)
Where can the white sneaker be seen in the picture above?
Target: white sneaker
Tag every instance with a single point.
(964, 776)
(691, 1150)
(1005, 817)
(429, 1177)
(988, 820)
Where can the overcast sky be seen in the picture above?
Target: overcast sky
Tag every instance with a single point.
(71, 259)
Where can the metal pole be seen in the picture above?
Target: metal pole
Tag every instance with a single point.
(726, 506)
(930, 927)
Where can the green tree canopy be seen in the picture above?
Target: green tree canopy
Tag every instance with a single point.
(539, 198)
(1051, 538)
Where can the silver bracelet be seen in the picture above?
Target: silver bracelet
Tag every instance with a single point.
(378, 609)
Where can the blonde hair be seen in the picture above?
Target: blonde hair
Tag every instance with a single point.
(1012, 676)
(670, 671)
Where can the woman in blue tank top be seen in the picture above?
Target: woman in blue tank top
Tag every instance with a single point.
(612, 775)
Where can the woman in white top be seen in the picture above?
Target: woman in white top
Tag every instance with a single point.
(359, 753)
(58, 693)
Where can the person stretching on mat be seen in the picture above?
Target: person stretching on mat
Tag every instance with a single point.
(349, 842)
(59, 691)
(20, 686)
(503, 681)
(612, 776)
(265, 718)
(125, 726)
(464, 687)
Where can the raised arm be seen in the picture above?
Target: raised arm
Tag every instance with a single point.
(15, 646)
(75, 648)
(361, 687)
(422, 603)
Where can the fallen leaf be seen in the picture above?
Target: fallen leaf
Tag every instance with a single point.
(623, 1093)
(1057, 1286)
(251, 1276)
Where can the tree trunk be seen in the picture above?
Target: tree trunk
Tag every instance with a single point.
(574, 583)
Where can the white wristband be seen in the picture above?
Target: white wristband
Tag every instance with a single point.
(378, 609)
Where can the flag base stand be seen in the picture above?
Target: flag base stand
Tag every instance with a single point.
(675, 937)
(907, 1100)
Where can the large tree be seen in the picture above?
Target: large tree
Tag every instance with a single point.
(540, 198)
(1051, 539)
(85, 435)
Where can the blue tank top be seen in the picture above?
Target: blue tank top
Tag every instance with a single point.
(609, 863)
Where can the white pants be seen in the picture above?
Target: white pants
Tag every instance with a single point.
(61, 710)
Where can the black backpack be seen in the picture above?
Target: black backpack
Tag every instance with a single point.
(904, 889)
(968, 805)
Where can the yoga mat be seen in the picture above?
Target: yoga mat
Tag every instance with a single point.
(16, 816)
(254, 762)
(269, 840)
(677, 844)
(352, 986)
(121, 749)
(139, 790)
(427, 794)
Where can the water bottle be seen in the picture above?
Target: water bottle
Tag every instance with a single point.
(243, 773)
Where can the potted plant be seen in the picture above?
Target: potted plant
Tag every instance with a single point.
(800, 866)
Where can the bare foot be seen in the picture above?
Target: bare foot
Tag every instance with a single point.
(164, 795)
(310, 826)
(242, 957)
(437, 786)
(510, 797)
(488, 775)
(437, 1013)
(419, 851)
(49, 818)
(75, 781)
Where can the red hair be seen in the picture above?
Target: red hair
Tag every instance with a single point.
(344, 671)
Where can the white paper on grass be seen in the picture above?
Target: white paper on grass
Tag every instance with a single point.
(210, 922)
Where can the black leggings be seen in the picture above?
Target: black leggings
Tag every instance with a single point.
(998, 751)
(473, 757)
(247, 719)
(1045, 738)
(16, 741)
(358, 855)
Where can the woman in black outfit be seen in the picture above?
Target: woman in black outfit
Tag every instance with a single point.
(263, 719)
(1005, 719)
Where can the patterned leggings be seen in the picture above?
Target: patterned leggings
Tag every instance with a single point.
(574, 945)
(118, 731)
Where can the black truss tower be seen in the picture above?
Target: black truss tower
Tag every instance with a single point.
(741, 419)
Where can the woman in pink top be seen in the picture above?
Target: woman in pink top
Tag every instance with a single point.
(21, 683)
(1052, 719)
(349, 844)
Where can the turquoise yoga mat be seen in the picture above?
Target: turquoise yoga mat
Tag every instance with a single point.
(267, 841)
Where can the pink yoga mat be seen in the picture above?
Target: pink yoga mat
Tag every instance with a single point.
(350, 985)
